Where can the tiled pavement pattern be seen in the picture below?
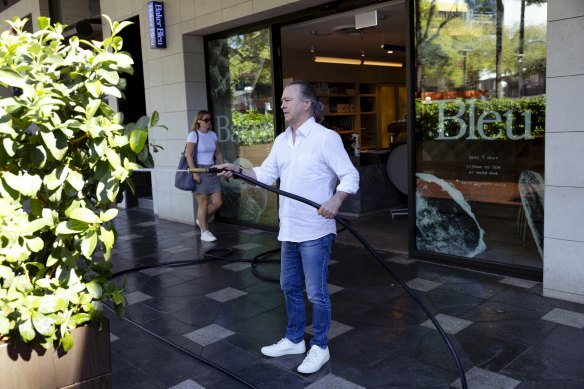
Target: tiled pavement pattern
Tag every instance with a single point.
(507, 335)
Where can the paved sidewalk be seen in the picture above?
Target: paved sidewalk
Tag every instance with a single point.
(507, 335)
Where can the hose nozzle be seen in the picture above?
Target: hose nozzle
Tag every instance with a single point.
(199, 170)
(202, 170)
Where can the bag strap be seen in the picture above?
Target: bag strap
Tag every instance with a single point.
(196, 147)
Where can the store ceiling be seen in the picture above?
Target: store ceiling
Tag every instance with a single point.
(337, 35)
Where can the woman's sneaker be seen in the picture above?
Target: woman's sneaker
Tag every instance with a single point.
(207, 236)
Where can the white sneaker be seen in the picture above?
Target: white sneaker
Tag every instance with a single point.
(314, 360)
(207, 236)
(284, 347)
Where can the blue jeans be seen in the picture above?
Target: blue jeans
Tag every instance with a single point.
(310, 258)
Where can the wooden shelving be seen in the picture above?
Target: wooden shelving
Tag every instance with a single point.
(350, 108)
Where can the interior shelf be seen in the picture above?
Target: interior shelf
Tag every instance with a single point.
(351, 108)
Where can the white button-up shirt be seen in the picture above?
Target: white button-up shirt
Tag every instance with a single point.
(311, 168)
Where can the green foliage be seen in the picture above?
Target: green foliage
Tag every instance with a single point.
(63, 155)
(253, 127)
(427, 117)
(442, 37)
(250, 59)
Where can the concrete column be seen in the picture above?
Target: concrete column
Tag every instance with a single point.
(564, 190)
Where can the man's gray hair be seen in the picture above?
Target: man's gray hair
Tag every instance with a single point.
(307, 92)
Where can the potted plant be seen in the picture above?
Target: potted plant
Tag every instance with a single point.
(64, 155)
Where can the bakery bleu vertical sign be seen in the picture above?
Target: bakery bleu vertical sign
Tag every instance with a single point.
(156, 25)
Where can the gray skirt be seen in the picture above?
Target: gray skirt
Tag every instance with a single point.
(210, 183)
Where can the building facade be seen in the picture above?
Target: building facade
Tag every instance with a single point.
(178, 81)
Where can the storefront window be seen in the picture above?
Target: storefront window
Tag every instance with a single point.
(242, 103)
(479, 129)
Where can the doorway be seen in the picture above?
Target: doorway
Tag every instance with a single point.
(133, 107)
(356, 62)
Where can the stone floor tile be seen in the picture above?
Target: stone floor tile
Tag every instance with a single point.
(246, 246)
(450, 324)
(334, 288)
(178, 249)
(562, 316)
(226, 294)
(332, 381)
(137, 297)
(237, 266)
(477, 378)
(422, 284)
(252, 232)
(146, 224)
(527, 284)
(335, 329)
(401, 260)
(209, 334)
(156, 270)
(188, 384)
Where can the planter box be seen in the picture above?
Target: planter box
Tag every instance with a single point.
(86, 366)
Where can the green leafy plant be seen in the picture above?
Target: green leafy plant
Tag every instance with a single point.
(253, 127)
(64, 153)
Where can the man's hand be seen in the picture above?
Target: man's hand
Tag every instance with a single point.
(330, 208)
(230, 167)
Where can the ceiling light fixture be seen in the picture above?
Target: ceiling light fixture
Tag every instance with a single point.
(337, 60)
(353, 61)
(383, 63)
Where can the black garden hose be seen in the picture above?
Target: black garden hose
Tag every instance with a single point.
(346, 226)
(365, 244)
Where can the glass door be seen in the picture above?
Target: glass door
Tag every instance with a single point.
(243, 106)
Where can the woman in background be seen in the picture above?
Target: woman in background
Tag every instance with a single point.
(208, 192)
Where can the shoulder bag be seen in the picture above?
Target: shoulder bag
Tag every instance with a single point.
(183, 179)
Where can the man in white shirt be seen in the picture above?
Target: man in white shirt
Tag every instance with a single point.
(309, 160)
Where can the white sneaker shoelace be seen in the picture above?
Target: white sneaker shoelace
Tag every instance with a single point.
(311, 356)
